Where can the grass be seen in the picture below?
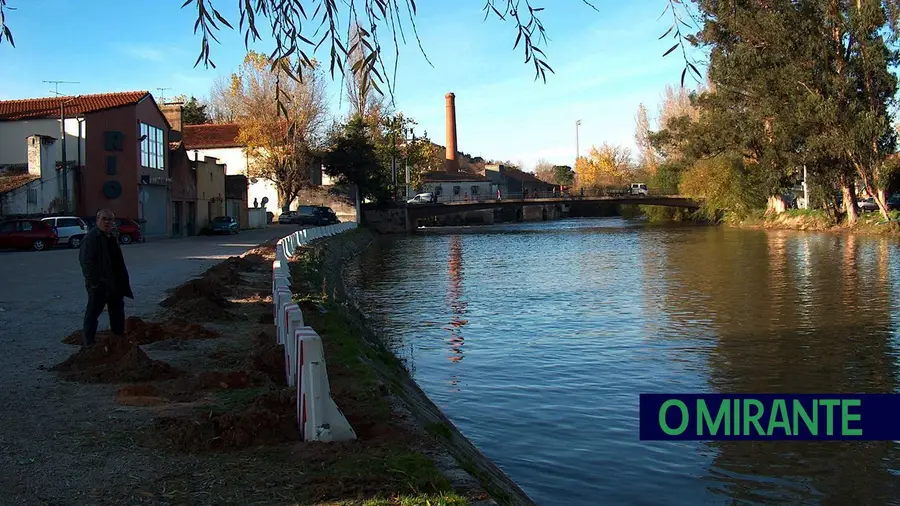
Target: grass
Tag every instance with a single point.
(389, 454)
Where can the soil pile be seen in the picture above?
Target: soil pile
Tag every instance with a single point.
(270, 418)
(268, 360)
(113, 360)
(203, 298)
(143, 395)
(143, 332)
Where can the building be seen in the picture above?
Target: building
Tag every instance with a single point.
(514, 182)
(236, 186)
(222, 142)
(210, 177)
(184, 191)
(37, 187)
(118, 143)
(457, 186)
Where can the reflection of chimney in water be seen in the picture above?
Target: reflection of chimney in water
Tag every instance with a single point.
(451, 164)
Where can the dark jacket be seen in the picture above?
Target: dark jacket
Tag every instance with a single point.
(97, 263)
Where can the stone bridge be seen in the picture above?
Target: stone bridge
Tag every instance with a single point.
(405, 218)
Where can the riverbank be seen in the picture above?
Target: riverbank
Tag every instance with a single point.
(373, 388)
(817, 220)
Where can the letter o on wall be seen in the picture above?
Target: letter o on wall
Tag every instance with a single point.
(112, 190)
(685, 417)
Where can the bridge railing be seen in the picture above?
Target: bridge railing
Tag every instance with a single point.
(525, 196)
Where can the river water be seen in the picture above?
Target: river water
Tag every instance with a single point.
(537, 338)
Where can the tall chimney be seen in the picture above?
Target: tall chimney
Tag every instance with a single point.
(451, 164)
(173, 112)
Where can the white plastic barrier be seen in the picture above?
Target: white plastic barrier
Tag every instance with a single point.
(318, 417)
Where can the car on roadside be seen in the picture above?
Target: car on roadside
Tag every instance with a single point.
(128, 231)
(867, 205)
(224, 225)
(286, 218)
(639, 189)
(69, 229)
(893, 203)
(322, 216)
(422, 198)
(27, 234)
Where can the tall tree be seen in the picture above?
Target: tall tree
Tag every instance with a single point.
(279, 150)
(543, 170)
(194, 112)
(646, 154)
(351, 158)
(604, 167)
(563, 175)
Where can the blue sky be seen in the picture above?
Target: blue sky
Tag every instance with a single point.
(606, 63)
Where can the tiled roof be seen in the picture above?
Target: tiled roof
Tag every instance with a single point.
(433, 177)
(211, 136)
(524, 177)
(9, 182)
(32, 108)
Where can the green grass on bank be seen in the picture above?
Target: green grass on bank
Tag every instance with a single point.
(386, 455)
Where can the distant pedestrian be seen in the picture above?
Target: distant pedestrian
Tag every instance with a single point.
(499, 194)
(105, 277)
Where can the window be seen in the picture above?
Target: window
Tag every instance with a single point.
(25, 226)
(67, 222)
(153, 154)
(474, 190)
(456, 190)
(31, 196)
(9, 226)
(438, 190)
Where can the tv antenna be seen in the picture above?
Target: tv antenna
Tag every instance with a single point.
(57, 83)
(162, 98)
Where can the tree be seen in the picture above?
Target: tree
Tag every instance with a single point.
(543, 170)
(563, 175)
(606, 166)
(646, 154)
(194, 112)
(279, 151)
(351, 159)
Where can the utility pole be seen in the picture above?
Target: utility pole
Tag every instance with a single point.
(577, 147)
(62, 137)
(413, 133)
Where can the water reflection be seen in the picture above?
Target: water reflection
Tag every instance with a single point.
(621, 310)
(458, 306)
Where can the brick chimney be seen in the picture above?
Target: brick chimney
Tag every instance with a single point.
(173, 113)
(451, 163)
(41, 156)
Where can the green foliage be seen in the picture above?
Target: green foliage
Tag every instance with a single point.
(564, 175)
(194, 112)
(351, 159)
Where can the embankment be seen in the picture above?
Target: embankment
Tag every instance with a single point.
(871, 223)
(317, 275)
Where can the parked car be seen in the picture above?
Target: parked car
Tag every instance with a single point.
(287, 217)
(893, 203)
(89, 221)
(27, 234)
(270, 216)
(639, 189)
(867, 205)
(224, 225)
(422, 198)
(322, 216)
(69, 229)
(129, 231)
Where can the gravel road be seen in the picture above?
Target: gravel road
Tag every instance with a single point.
(51, 445)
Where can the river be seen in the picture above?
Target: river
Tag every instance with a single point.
(536, 339)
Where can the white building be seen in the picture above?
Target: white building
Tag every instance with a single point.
(39, 186)
(458, 186)
(221, 142)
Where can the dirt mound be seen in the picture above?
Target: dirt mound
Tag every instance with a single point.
(270, 418)
(143, 395)
(269, 360)
(226, 273)
(204, 310)
(227, 380)
(207, 287)
(143, 332)
(113, 360)
(265, 252)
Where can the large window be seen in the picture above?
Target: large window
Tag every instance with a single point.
(153, 154)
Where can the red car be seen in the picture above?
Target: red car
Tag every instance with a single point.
(129, 231)
(27, 234)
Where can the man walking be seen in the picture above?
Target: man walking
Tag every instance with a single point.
(105, 277)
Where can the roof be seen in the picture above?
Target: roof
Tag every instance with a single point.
(47, 107)
(9, 182)
(524, 177)
(434, 177)
(209, 136)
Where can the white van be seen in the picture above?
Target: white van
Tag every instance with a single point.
(70, 229)
(639, 189)
(422, 198)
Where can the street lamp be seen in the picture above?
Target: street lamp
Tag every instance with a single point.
(577, 148)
